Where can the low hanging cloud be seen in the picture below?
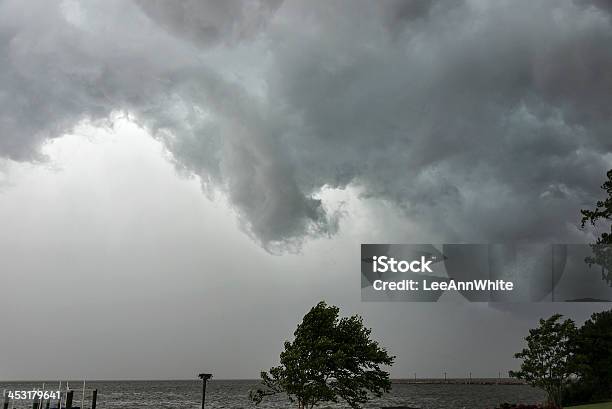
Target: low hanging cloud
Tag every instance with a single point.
(65, 62)
(207, 22)
(483, 121)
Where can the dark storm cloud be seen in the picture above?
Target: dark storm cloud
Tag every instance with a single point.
(55, 71)
(65, 62)
(399, 13)
(208, 22)
(472, 122)
(604, 5)
(484, 121)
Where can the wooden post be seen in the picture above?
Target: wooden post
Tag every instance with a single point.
(69, 396)
(59, 399)
(48, 403)
(94, 398)
(5, 405)
(36, 403)
(83, 397)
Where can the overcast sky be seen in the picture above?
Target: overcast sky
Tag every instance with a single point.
(181, 181)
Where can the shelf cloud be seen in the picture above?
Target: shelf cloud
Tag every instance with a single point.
(483, 121)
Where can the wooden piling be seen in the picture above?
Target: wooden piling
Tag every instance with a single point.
(5, 405)
(69, 396)
(94, 398)
(83, 397)
(59, 399)
(36, 403)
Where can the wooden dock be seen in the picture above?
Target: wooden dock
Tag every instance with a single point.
(64, 402)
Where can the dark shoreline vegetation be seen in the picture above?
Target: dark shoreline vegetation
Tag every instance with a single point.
(573, 365)
(333, 359)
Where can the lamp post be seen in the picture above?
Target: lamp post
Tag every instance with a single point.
(204, 377)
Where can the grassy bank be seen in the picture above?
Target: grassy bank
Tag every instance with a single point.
(604, 405)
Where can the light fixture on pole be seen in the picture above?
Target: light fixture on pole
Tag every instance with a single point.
(204, 377)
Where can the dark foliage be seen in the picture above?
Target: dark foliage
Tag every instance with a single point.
(593, 359)
(548, 359)
(577, 393)
(330, 358)
(602, 248)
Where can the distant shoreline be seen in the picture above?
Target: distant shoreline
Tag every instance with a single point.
(460, 381)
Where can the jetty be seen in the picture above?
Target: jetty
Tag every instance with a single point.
(459, 381)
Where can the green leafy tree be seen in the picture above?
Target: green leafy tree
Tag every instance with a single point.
(594, 355)
(330, 358)
(548, 358)
(602, 248)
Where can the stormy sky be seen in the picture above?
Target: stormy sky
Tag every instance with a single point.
(180, 181)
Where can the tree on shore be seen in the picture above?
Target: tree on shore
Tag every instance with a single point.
(602, 248)
(330, 358)
(548, 358)
(594, 355)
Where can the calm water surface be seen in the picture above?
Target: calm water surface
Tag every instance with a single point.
(234, 394)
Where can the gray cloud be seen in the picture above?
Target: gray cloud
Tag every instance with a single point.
(208, 22)
(479, 121)
(466, 122)
(78, 71)
(484, 122)
(605, 5)
(400, 14)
